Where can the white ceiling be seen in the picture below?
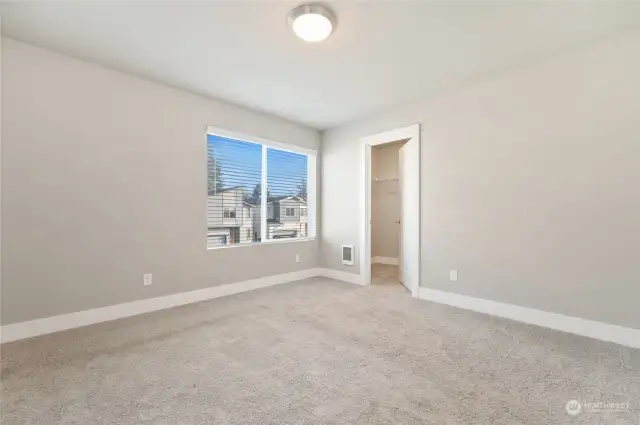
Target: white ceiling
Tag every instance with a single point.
(383, 52)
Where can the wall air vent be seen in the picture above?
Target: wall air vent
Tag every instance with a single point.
(347, 255)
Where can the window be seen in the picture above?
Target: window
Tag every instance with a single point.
(239, 169)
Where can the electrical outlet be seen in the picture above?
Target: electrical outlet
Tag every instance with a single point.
(453, 275)
(297, 258)
(147, 279)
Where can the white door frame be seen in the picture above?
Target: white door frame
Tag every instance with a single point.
(412, 133)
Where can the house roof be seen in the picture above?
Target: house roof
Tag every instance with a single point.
(241, 188)
(228, 189)
(283, 198)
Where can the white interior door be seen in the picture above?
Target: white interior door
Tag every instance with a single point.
(404, 272)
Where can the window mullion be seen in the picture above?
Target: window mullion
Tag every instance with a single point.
(263, 197)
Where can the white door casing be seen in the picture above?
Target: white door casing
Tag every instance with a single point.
(410, 219)
(403, 272)
(399, 221)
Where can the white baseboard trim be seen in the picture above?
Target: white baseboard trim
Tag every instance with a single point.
(598, 330)
(384, 260)
(340, 275)
(63, 322)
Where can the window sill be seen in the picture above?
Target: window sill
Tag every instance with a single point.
(267, 242)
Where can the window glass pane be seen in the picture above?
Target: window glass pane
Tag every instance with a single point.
(234, 172)
(286, 194)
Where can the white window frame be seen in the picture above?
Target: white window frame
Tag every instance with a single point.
(311, 155)
(286, 211)
(227, 213)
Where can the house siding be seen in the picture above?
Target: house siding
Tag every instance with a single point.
(235, 230)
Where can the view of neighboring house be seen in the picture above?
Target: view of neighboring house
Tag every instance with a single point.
(232, 220)
(286, 218)
(229, 218)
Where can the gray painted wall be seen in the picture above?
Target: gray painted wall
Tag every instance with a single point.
(385, 201)
(104, 179)
(530, 184)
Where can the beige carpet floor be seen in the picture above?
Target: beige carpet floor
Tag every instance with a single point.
(317, 351)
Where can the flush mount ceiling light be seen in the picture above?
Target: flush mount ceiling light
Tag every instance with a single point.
(312, 22)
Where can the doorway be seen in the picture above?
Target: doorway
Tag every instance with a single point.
(386, 213)
(390, 207)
